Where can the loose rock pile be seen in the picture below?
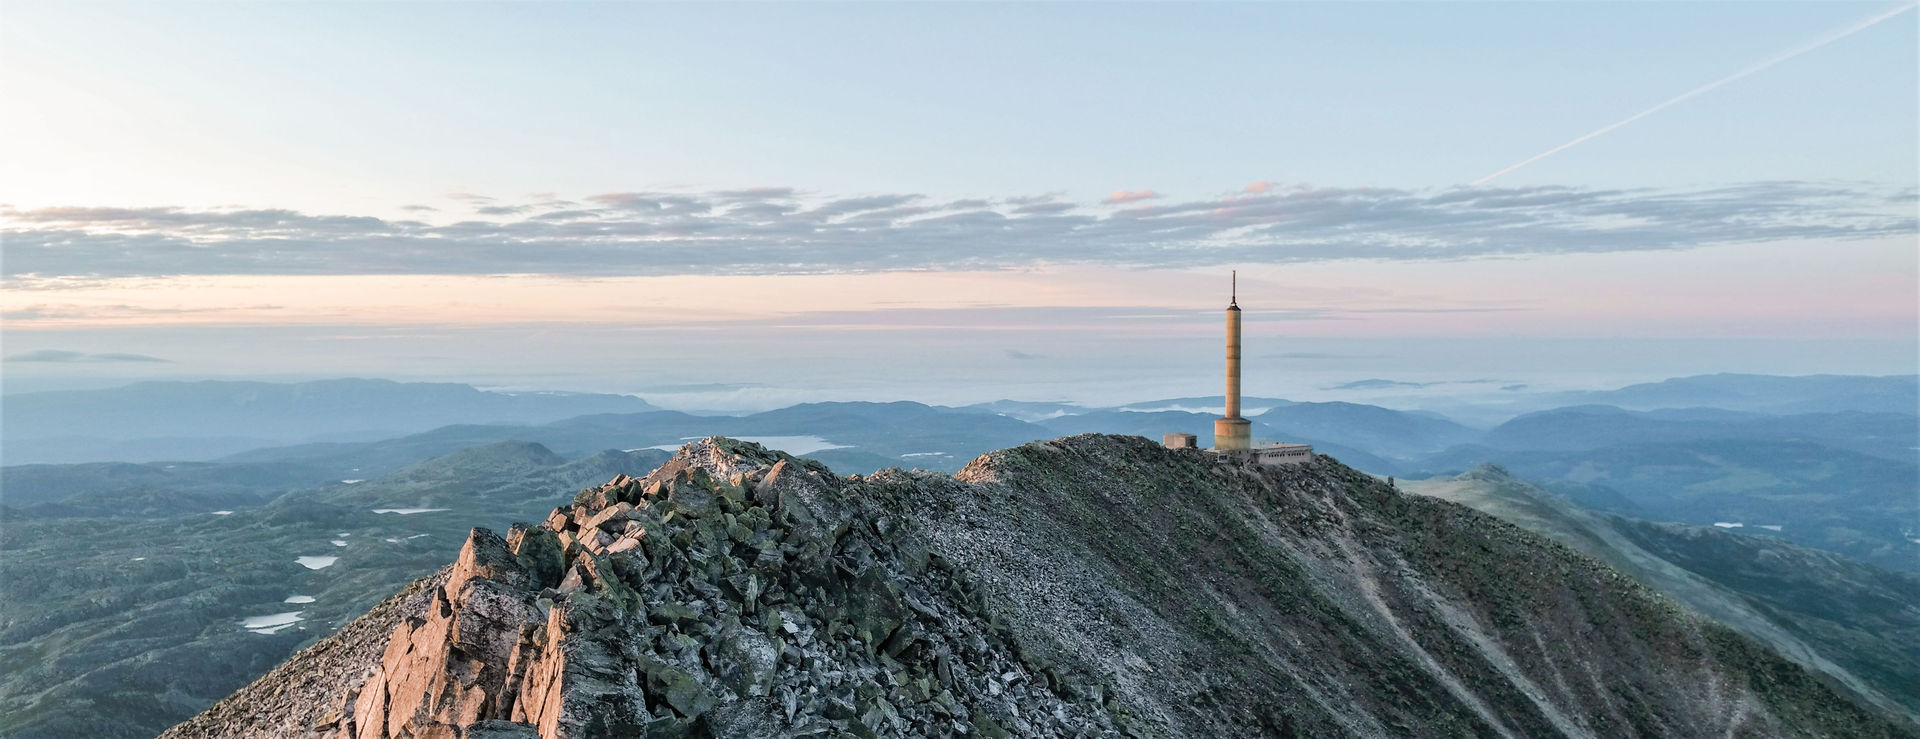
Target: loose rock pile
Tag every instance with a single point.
(731, 592)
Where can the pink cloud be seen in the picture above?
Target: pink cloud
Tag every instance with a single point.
(1122, 196)
(1258, 187)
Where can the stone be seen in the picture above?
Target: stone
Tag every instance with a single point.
(498, 729)
(684, 693)
(486, 556)
(616, 513)
(744, 660)
(451, 667)
(541, 554)
(874, 610)
(766, 492)
(671, 613)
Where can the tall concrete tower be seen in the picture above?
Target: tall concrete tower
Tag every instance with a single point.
(1231, 432)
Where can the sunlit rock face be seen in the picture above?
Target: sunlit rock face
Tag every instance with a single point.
(1087, 586)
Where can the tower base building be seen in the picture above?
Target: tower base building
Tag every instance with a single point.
(1232, 434)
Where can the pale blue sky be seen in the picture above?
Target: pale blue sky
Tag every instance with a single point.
(244, 168)
(377, 100)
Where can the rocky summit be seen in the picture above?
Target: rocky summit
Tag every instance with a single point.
(1086, 586)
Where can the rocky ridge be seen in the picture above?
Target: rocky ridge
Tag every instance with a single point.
(1088, 586)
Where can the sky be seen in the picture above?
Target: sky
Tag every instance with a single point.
(737, 206)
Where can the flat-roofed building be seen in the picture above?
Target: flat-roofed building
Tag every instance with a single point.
(1283, 454)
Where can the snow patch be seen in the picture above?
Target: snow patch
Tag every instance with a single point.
(1770, 527)
(351, 482)
(1725, 525)
(139, 559)
(298, 599)
(270, 623)
(339, 543)
(410, 511)
(317, 563)
(925, 454)
(223, 513)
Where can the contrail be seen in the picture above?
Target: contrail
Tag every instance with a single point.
(1829, 38)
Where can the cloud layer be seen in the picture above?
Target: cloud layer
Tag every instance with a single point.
(61, 356)
(783, 231)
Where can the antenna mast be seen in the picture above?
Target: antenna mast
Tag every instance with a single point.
(1233, 294)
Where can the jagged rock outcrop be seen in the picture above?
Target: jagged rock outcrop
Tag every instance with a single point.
(1088, 586)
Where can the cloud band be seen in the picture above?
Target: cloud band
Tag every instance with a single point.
(780, 231)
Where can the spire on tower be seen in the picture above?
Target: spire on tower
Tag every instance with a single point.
(1233, 291)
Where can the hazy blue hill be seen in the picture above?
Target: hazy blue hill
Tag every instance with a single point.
(1889, 435)
(16, 449)
(574, 436)
(365, 459)
(1023, 409)
(1208, 404)
(176, 487)
(470, 479)
(874, 436)
(1858, 623)
(1832, 499)
(1766, 393)
(894, 429)
(1381, 431)
(858, 462)
(201, 420)
(499, 458)
(1151, 424)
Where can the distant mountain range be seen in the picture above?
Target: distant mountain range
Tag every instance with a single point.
(203, 420)
(1841, 477)
(1763, 394)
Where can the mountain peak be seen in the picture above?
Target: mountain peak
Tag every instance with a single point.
(1488, 471)
(1089, 585)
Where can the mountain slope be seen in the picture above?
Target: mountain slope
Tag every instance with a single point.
(1859, 506)
(1856, 623)
(1092, 585)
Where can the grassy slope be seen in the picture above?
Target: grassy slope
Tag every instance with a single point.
(1855, 623)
